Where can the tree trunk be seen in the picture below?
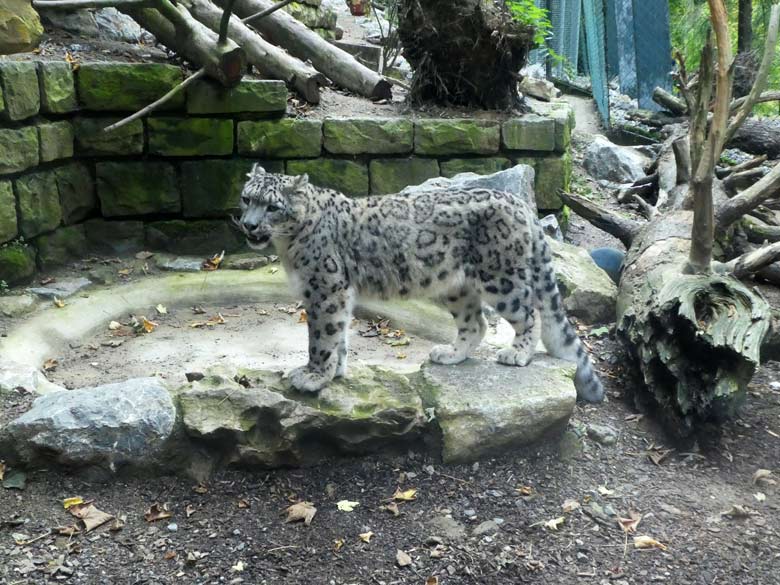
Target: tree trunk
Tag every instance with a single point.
(758, 136)
(745, 26)
(464, 52)
(342, 68)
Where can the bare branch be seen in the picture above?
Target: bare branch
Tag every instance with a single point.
(724, 172)
(223, 24)
(266, 12)
(736, 182)
(669, 101)
(751, 262)
(767, 96)
(758, 231)
(761, 76)
(622, 228)
(750, 198)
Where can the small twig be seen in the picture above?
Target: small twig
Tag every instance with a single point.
(751, 262)
(270, 550)
(400, 84)
(267, 11)
(156, 104)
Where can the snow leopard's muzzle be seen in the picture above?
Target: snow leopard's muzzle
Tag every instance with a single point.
(258, 234)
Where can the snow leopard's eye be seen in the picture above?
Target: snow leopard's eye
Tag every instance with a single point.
(272, 208)
(245, 200)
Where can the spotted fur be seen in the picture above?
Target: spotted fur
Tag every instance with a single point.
(460, 246)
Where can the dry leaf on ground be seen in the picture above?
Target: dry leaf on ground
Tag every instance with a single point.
(337, 544)
(243, 504)
(157, 512)
(760, 496)
(161, 309)
(58, 303)
(89, 515)
(169, 555)
(238, 567)
(763, 476)
(525, 490)
(570, 505)
(301, 511)
(630, 524)
(405, 495)
(605, 491)
(366, 536)
(2, 470)
(648, 542)
(200, 488)
(213, 263)
(392, 507)
(303, 317)
(189, 510)
(347, 505)
(68, 502)
(403, 559)
(50, 365)
(70, 530)
(432, 581)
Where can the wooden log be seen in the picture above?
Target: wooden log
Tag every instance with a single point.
(339, 66)
(737, 182)
(759, 232)
(269, 60)
(194, 41)
(669, 101)
(723, 172)
(758, 136)
(731, 210)
(622, 228)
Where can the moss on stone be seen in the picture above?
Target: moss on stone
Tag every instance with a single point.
(127, 86)
(190, 136)
(311, 16)
(17, 263)
(77, 191)
(393, 174)
(286, 138)
(348, 177)
(61, 246)
(56, 140)
(22, 97)
(553, 175)
(58, 87)
(208, 97)
(20, 27)
(437, 137)
(368, 135)
(530, 132)
(18, 149)
(39, 203)
(480, 166)
(125, 141)
(137, 188)
(8, 227)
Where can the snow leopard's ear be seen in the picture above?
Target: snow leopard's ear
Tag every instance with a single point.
(257, 172)
(299, 182)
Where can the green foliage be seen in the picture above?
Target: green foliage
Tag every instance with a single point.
(528, 13)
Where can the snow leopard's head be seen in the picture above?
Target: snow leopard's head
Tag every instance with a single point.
(271, 206)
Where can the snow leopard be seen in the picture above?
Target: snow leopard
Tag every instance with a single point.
(457, 246)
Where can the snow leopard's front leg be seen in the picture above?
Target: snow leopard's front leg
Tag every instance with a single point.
(329, 315)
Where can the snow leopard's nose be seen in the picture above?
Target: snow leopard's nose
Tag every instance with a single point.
(249, 225)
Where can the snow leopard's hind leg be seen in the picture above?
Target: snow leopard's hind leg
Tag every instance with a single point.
(515, 302)
(466, 307)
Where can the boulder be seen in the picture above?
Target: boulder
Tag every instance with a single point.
(17, 263)
(270, 424)
(107, 24)
(588, 292)
(106, 426)
(15, 376)
(539, 88)
(484, 408)
(607, 161)
(518, 180)
(61, 289)
(20, 27)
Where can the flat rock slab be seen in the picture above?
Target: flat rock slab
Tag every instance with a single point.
(62, 288)
(108, 426)
(483, 408)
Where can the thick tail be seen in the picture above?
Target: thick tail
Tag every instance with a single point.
(558, 335)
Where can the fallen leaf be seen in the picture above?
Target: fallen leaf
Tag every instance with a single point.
(763, 476)
(301, 511)
(403, 559)
(68, 502)
(760, 496)
(161, 309)
(432, 581)
(630, 524)
(392, 507)
(604, 491)
(157, 512)
(200, 488)
(347, 505)
(114, 325)
(238, 567)
(366, 536)
(189, 510)
(405, 495)
(2, 470)
(570, 505)
(554, 523)
(125, 272)
(338, 544)
(437, 552)
(648, 542)
(303, 317)
(58, 303)
(599, 332)
(400, 342)
(659, 455)
(118, 524)
(169, 555)
(525, 490)
(213, 262)
(400, 356)
(89, 515)
(50, 365)
(273, 270)
(243, 504)
(148, 326)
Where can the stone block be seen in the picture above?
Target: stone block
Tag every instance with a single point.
(8, 226)
(190, 136)
(39, 203)
(55, 140)
(58, 87)
(114, 237)
(125, 141)
(368, 135)
(249, 96)
(393, 174)
(17, 263)
(367, 54)
(137, 188)
(553, 175)
(127, 86)
(199, 237)
(480, 166)
(20, 27)
(563, 115)
(347, 177)
(286, 138)
(18, 149)
(531, 132)
(453, 136)
(61, 246)
(77, 191)
(19, 80)
(211, 188)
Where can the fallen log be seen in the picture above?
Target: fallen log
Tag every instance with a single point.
(758, 136)
(269, 60)
(339, 66)
(669, 101)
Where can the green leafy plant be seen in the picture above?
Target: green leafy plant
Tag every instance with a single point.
(528, 13)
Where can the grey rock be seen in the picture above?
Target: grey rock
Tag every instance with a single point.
(485, 528)
(107, 24)
(518, 180)
(539, 88)
(605, 160)
(588, 292)
(61, 289)
(247, 261)
(15, 376)
(483, 407)
(570, 446)
(602, 434)
(447, 528)
(271, 424)
(178, 263)
(106, 426)
(551, 227)
(17, 305)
